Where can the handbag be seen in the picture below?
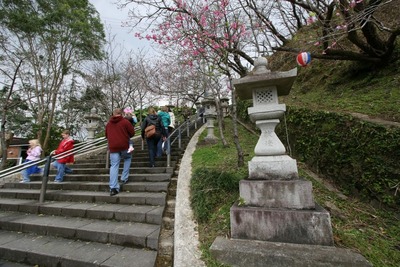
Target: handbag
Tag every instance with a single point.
(150, 131)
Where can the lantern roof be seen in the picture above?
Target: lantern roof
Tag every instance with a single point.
(262, 77)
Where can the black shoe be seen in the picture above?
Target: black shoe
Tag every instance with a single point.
(124, 181)
(113, 192)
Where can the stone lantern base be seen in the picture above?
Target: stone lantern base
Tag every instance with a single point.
(211, 139)
(273, 167)
(312, 227)
(250, 253)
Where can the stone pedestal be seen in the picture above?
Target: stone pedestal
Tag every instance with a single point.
(280, 167)
(311, 226)
(251, 253)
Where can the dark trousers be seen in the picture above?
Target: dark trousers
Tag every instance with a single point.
(152, 147)
(159, 144)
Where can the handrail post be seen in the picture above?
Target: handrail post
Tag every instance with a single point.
(45, 179)
(179, 138)
(108, 159)
(169, 152)
(188, 127)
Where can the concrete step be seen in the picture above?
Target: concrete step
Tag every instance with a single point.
(93, 186)
(103, 211)
(142, 157)
(134, 164)
(81, 225)
(102, 231)
(104, 177)
(4, 263)
(136, 170)
(138, 198)
(59, 252)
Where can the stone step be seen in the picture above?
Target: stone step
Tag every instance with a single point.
(12, 264)
(59, 252)
(93, 186)
(136, 158)
(130, 234)
(133, 170)
(134, 164)
(94, 177)
(138, 198)
(104, 211)
(81, 225)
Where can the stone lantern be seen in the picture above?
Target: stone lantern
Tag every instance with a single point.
(225, 106)
(210, 114)
(273, 189)
(264, 87)
(198, 108)
(92, 123)
(276, 207)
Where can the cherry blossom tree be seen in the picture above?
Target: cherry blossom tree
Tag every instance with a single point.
(200, 28)
(359, 30)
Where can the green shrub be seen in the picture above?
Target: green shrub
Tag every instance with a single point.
(210, 188)
(360, 157)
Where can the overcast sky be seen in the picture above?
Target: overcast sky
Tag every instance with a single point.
(112, 17)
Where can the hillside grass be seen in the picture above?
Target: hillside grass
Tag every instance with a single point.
(341, 86)
(358, 226)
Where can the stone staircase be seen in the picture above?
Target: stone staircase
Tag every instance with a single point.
(80, 224)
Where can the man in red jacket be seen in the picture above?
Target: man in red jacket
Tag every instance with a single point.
(67, 143)
(118, 133)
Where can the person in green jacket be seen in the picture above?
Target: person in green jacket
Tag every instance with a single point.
(165, 121)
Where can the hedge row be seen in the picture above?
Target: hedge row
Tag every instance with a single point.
(360, 157)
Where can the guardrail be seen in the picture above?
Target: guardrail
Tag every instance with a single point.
(192, 121)
(83, 147)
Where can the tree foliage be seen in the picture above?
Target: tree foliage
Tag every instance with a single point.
(233, 32)
(52, 38)
(359, 30)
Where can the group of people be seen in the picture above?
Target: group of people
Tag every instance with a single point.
(34, 153)
(118, 131)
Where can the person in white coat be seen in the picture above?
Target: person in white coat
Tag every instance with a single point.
(34, 152)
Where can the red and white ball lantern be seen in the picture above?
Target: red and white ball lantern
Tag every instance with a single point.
(303, 59)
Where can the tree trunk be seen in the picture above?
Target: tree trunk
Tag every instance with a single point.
(240, 160)
(220, 124)
(5, 141)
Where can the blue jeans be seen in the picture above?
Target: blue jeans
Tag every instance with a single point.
(28, 171)
(62, 169)
(115, 159)
(152, 147)
(159, 145)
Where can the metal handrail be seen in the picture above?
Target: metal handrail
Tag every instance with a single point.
(79, 148)
(83, 147)
(176, 134)
(186, 125)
